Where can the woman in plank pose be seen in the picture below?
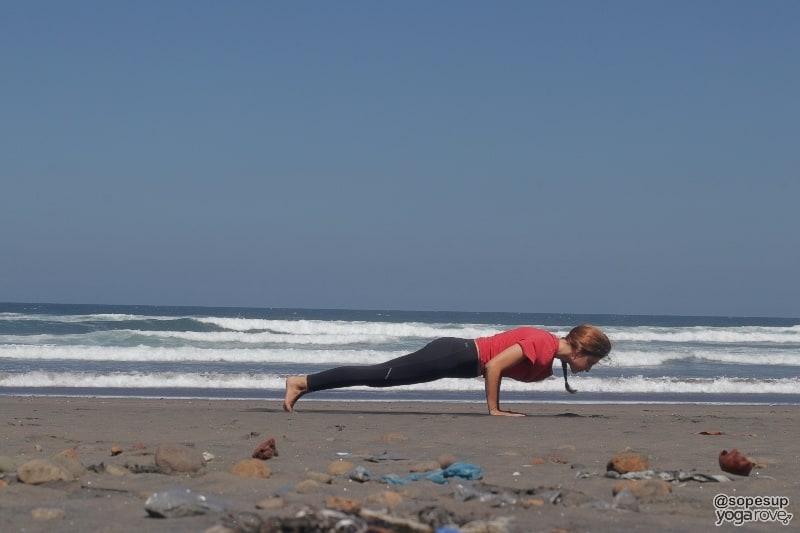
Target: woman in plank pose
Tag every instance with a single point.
(524, 354)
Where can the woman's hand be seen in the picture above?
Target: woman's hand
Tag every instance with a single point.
(493, 375)
(499, 412)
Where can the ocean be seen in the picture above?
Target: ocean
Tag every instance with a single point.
(246, 353)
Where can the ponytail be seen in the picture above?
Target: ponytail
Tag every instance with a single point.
(566, 383)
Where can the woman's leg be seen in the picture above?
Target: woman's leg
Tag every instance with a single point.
(443, 358)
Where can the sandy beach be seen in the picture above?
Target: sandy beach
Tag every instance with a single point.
(545, 472)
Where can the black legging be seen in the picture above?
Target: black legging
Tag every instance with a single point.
(447, 357)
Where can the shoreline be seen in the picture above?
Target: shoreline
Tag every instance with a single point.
(387, 396)
(558, 447)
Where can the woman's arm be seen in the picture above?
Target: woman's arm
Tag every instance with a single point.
(493, 373)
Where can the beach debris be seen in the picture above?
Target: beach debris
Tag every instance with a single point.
(676, 476)
(142, 469)
(493, 496)
(207, 457)
(255, 468)
(38, 471)
(116, 450)
(178, 458)
(266, 450)
(628, 462)
(625, 500)
(304, 520)
(459, 469)
(710, 433)
(379, 522)
(181, 501)
(48, 513)
(734, 462)
(359, 474)
(384, 456)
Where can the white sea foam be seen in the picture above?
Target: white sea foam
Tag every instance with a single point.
(145, 354)
(634, 384)
(310, 354)
(705, 334)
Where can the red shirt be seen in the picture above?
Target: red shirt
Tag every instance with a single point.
(539, 347)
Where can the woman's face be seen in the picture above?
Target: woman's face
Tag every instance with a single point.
(582, 362)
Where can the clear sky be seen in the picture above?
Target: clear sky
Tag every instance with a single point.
(633, 157)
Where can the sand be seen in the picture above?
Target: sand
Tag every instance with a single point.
(558, 452)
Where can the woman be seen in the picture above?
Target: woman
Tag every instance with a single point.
(525, 354)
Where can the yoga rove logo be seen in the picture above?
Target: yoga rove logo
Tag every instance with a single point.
(739, 510)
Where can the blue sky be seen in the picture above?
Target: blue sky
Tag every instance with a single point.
(578, 157)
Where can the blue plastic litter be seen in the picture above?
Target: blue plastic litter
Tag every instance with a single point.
(457, 469)
(394, 479)
(447, 529)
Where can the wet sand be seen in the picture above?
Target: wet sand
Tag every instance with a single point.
(541, 473)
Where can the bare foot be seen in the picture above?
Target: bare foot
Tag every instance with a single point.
(296, 386)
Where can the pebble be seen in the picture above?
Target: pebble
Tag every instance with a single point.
(644, 488)
(359, 474)
(177, 458)
(320, 477)
(38, 471)
(338, 468)
(266, 450)
(307, 486)
(425, 466)
(270, 503)
(628, 462)
(626, 500)
(70, 461)
(345, 505)
(733, 462)
(48, 513)
(251, 468)
(387, 497)
(446, 459)
(115, 470)
(392, 437)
